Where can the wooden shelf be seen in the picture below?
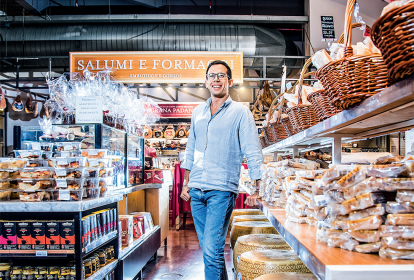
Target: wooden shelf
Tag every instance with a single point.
(32, 253)
(333, 263)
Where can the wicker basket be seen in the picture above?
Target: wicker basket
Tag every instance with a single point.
(322, 105)
(290, 130)
(279, 130)
(393, 34)
(268, 134)
(354, 78)
(263, 143)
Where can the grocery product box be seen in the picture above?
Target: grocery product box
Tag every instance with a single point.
(127, 235)
(53, 235)
(153, 177)
(86, 230)
(38, 229)
(8, 238)
(24, 235)
(67, 235)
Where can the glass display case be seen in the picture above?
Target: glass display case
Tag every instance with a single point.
(125, 151)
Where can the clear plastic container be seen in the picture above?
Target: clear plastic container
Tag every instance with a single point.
(13, 175)
(72, 153)
(47, 155)
(32, 154)
(35, 196)
(99, 162)
(12, 163)
(4, 175)
(70, 184)
(70, 162)
(36, 163)
(106, 172)
(48, 147)
(68, 195)
(68, 173)
(35, 184)
(5, 195)
(4, 163)
(4, 184)
(106, 182)
(90, 182)
(95, 153)
(36, 173)
(68, 146)
(91, 172)
(93, 193)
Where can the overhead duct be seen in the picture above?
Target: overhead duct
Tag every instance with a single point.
(59, 40)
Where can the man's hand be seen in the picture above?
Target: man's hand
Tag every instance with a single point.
(251, 200)
(185, 195)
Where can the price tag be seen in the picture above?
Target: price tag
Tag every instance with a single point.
(64, 154)
(36, 146)
(41, 253)
(64, 195)
(61, 183)
(93, 162)
(60, 172)
(92, 152)
(24, 154)
(67, 147)
(62, 161)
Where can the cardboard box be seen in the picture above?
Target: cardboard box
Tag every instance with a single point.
(67, 235)
(53, 235)
(24, 235)
(8, 238)
(38, 235)
(140, 221)
(153, 177)
(127, 235)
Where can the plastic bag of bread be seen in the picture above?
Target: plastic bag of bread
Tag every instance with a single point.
(318, 187)
(400, 219)
(306, 193)
(301, 198)
(357, 175)
(366, 186)
(343, 225)
(360, 202)
(396, 254)
(304, 181)
(336, 209)
(398, 243)
(335, 196)
(371, 222)
(389, 159)
(298, 220)
(307, 174)
(321, 214)
(342, 243)
(394, 184)
(405, 196)
(336, 172)
(337, 234)
(368, 248)
(321, 58)
(378, 209)
(394, 207)
(366, 236)
(320, 200)
(311, 221)
(388, 171)
(397, 231)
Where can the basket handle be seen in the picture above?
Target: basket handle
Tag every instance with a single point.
(274, 105)
(348, 51)
(354, 25)
(279, 116)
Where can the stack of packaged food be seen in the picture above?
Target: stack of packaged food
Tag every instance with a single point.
(73, 174)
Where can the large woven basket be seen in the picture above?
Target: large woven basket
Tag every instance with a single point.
(322, 105)
(269, 135)
(279, 130)
(290, 130)
(393, 34)
(354, 78)
(262, 140)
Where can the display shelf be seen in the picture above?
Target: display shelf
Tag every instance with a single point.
(333, 263)
(101, 273)
(159, 139)
(55, 206)
(101, 241)
(126, 250)
(388, 111)
(138, 188)
(36, 253)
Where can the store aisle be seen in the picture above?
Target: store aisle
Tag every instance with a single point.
(182, 258)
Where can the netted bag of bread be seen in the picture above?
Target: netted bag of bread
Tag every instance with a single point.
(397, 231)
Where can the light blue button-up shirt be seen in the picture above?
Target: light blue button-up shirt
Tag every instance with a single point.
(216, 145)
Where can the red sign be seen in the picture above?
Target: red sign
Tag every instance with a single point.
(175, 110)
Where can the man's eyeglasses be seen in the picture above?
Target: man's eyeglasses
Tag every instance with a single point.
(212, 76)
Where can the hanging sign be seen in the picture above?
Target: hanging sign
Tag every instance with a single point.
(89, 109)
(156, 67)
(175, 110)
(328, 28)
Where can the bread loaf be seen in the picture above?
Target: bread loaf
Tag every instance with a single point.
(368, 236)
(372, 222)
(398, 243)
(397, 231)
(377, 209)
(396, 254)
(357, 175)
(366, 186)
(400, 219)
(388, 171)
(368, 248)
(394, 207)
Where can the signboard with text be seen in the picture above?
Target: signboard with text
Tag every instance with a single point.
(156, 67)
(175, 110)
(89, 109)
(328, 28)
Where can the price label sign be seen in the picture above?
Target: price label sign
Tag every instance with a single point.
(89, 109)
(24, 154)
(93, 152)
(62, 161)
(61, 184)
(35, 146)
(64, 195)
(60, 172)
(67, 147)
(41, 253)
(64, 154)
(93, 162)
(328, 28)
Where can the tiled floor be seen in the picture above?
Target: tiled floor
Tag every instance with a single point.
(182, 258)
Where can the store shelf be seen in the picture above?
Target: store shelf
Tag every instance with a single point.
(389, 111)
(56, 206)
(138, 188)
(101, 273)
(126, 250)
(163, 139)
(36, 253)
(333, 263)
(100, 242)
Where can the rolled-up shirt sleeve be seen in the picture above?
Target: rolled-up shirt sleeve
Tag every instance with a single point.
(189, 150)
(250, 145)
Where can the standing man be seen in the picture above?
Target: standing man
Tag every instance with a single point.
(222, 131)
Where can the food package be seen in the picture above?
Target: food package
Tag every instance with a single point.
(127, 232)
(389, 159)
(71, 162)
(334, 196)
(321, 58)
(318, 188)
(320, 200)
(365, 236)
(307, 174)
(388, 171)
(362, 49)
(94, 153)
(400, 219)
(301, 198)
(397, 231)
(396, 254)
(72, 194)
(298, 220)
(311, 221)
(304, 181)
(342, 243)
(325, 234)
(394, 207)
(36, 173)
(368, 248)
(371, 222)
(336, 172)
(321, 214)
(360, 202)
(339, 224)
(366, 186)
(357, 175)
(308, 194)
(398, 243)
(33, 185)
(14, 164)
(35, 196)
(405, 196)
(4, 184)
(378, 209)
(394, 184)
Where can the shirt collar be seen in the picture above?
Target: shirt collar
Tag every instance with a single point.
(225, 104)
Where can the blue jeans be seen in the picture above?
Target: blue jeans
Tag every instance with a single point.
(211, 212)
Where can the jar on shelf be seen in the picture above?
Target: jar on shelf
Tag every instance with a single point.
(181, 132)
(169, 133)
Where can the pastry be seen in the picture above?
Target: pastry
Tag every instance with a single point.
(4, 174)
(4, 185)
(102, 173)
(5, 194)
(14, 175)
(33, 197)
(33, 187)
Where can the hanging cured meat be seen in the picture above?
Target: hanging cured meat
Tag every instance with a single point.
(29, 108)
(36, 109)
(18, 104)
(2, 100)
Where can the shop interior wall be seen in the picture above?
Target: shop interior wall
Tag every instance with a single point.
(370, 10)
